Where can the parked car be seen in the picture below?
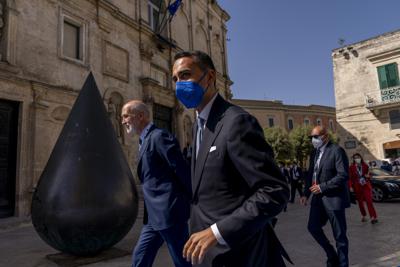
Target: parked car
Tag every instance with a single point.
(385, 185)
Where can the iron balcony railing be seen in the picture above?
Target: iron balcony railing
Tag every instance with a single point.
(382, 97)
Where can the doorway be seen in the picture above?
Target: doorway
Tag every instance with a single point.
(8, 156)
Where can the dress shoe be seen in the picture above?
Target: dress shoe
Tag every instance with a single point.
(374, 220)
(334, 262)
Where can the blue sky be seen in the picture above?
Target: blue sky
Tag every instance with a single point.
(281, 49)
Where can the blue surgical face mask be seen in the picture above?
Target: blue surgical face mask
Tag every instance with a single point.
(190, 93)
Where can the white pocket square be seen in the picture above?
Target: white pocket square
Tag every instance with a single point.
(213, 148)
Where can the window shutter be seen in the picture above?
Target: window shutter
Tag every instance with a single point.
(383, 83)
(392, 74)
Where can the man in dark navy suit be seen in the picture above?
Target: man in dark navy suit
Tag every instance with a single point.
(327, 181)
(237, 187)
(165, 178)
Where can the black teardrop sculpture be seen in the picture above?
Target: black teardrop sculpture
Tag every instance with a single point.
(86, 199)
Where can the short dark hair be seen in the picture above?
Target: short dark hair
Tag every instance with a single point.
(357, 155)
(202, 59)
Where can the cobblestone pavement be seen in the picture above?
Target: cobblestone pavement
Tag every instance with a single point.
(370, 245)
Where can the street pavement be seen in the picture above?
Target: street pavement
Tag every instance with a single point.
(370, 245)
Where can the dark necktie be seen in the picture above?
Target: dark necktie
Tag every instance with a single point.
(316, 165)
(200, 129)
(317, 153)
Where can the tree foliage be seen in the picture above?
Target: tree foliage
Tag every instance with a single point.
(293, 146)
(333, 137)
(301, 143)
(278, 139)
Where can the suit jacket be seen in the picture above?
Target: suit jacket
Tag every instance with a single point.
(165, 178)
(300, 174)
(237, 185)
(285, 173)
(332, 177)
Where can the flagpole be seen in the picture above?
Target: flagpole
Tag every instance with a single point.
(165, 15)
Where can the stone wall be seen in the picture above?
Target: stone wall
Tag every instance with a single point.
(355, 79)
(121, 50)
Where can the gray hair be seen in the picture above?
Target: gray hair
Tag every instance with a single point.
(139, 107)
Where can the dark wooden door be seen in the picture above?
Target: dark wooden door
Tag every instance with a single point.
(8, 155)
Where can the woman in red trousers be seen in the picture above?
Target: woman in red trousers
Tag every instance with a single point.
(360, 182)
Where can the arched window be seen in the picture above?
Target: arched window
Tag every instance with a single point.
(290, 123)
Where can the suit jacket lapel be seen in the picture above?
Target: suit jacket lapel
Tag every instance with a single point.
(211, 131)
(324, 155)
(194, 148)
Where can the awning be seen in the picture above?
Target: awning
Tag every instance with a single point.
(392, 145)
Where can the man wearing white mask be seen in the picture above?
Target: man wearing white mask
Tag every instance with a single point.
(327, 181)
(165, 179)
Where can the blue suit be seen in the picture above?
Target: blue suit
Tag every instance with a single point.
(165, 179)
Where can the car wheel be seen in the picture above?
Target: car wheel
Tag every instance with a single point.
(377, 194)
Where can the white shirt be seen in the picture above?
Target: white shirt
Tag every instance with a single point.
(321, 152)
(206, 110)
(204, 115)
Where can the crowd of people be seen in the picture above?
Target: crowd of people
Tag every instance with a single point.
(393, 166)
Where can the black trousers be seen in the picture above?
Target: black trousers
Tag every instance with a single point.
(318, 218)
(295, 185)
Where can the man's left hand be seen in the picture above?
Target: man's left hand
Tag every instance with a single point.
(315, 189)
(198, 245)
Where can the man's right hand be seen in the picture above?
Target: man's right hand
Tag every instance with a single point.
(303, 201)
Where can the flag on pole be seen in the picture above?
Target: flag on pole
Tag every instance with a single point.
(172, 8)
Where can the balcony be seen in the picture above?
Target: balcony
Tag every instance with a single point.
(383, 98)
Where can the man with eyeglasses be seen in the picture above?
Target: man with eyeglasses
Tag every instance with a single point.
(327, 182)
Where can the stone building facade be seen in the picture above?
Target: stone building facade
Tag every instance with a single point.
(47, 49)
(276, 114)
(367, 91)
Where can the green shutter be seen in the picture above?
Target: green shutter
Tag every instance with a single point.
(383, 83)
(392, 74)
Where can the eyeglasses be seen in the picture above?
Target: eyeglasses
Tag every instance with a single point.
(314, 136)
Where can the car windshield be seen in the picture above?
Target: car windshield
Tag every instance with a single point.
(380, 172)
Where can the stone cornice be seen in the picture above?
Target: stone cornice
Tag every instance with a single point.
(219, 10)
(278, 105)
